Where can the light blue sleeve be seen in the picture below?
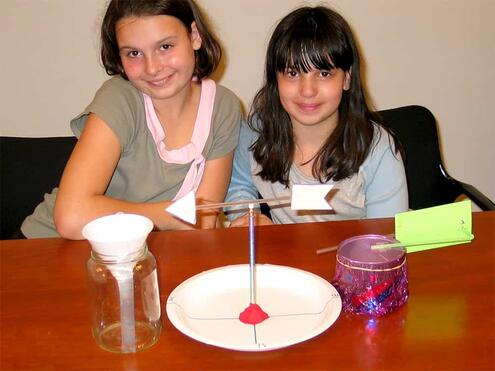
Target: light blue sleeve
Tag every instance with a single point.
(241, 184)
(386, 185)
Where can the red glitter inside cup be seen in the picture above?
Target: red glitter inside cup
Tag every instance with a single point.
(372, 282)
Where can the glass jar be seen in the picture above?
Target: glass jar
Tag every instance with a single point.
(123, 284)
(371, 281)
(125, 302)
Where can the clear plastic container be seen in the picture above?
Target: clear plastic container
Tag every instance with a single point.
(372, 282)
(123, 284)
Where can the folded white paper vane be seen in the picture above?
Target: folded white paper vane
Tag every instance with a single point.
(303, 197)
(184, 208)
(310, 197)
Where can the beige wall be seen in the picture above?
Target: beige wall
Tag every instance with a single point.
(437, 53)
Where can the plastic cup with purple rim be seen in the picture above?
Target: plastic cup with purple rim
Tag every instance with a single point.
(371, 282)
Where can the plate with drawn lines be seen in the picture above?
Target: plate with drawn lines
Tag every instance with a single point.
(300, 305)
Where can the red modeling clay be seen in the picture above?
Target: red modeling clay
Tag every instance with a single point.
(252, 315)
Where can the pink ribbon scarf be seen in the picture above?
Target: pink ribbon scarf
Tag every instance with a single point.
(191, 152)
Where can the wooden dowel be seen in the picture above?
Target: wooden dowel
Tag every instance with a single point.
(326, 249)
(333, 248)
(244, 202)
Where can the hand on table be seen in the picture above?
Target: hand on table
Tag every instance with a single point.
(243, 221)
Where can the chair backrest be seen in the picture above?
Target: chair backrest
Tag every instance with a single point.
(29, 168)
(427, 181)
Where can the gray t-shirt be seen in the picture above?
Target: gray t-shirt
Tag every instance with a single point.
(141, 175)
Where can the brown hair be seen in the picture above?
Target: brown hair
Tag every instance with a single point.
(207, 57)
(311, 38)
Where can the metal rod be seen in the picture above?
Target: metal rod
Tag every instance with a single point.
(252, 299)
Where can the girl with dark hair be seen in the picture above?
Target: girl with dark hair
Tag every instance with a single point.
(156, 130)
(310, 124)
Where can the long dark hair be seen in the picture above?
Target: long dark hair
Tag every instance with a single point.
(311, 38)
(207, 57)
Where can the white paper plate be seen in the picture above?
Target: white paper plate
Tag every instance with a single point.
(300, 304)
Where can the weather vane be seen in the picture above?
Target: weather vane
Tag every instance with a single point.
(302, 197)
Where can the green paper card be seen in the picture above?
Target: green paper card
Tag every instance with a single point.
(434, 227)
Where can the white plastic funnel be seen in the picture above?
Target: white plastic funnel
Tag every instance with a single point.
(117, 236)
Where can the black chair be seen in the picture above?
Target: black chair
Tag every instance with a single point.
(29, 168)
(428, 182)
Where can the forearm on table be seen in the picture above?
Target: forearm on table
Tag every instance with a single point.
(241, 188)
(240, 194)
(71, 216)
(213, 189)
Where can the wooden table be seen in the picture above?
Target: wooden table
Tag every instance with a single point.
(448, 322)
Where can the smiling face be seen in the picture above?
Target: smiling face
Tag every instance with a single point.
(157, 54)
(313, 97)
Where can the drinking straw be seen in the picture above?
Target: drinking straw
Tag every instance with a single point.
(126, 290)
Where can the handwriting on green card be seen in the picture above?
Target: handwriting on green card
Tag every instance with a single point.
(434, 227)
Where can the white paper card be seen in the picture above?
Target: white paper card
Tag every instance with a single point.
(310, 197)
(184, 208)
